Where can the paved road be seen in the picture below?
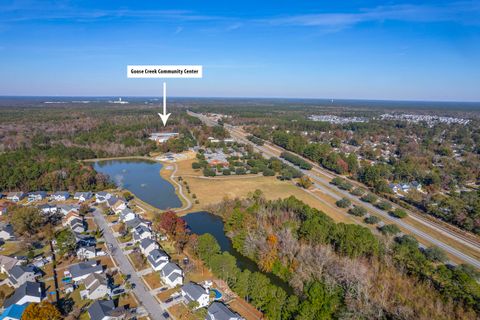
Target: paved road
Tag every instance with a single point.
(323, 185)
(150, 304)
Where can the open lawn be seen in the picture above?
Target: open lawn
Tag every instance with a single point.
(164, 295)
(138, 261)
(153, 280)
(212, 191)
(127, 300)
(180, 311)
(10, 248)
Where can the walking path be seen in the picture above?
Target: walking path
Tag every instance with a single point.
(150, 304)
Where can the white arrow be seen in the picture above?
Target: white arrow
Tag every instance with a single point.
(165, 115)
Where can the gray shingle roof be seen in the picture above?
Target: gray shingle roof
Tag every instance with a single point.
(193, 291)
(83, 268)
(219, 311)
(100, 309)
(32, 289)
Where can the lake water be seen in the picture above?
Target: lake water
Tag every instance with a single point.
(141, 177)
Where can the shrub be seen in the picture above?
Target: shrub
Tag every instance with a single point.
(389, 229)
(358, 192)
(268, 172)
(398, 213)
(358, 211)
(343, 203)
(226, 172)
(240, 171)
(207, 172)
(372, 220)
(371, 198)
(435, 254)
(196, 165)
(384, 205)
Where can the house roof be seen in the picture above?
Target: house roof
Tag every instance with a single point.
(42, 194)
(112, 200)
(102, 308)
(7, 228)
(8, 262)
(32, 289)
(15, 311)
(94, 280)
(140, 229)
(83, 268)
(135, 222)
(15, 194)
(82, 194)
(193, 291)
(61, 194)
(219, 311)
(18, 270)
(145, 243)
(88, 248)
(170, 268)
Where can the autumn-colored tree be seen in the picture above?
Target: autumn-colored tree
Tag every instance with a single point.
(305, 182)
(41, 311)
(166, 221)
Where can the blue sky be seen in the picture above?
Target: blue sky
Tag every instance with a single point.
(427, 50)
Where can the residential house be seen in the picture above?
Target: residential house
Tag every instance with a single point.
(78, 272)
(157, 259)
(48, 209)
(66, 208)
(82, 196)
(219, 311)
(60, 196)
(141, 232)
(137, 221)
(14, 312)
(116, 204)
(15, 196)
(86, 253)
(77, 225)
(37, 196)
(126, 215)
(195, 292)
(27, 293)
(71, 215)
(6, 232)
(147, 246)
(7, 263)
(96, 287)
(171, 275)
(105, 310)
(102, 197)
(19, 274)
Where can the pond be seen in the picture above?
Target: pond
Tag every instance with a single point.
(141, 177)
(205, 222)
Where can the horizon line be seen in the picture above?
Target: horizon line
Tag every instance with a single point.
(239, 97)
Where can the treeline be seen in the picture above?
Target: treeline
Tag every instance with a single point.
(320, 153)
(296, 160)
(49, 168)
(256, 140)
(317, 302)
(374, 277)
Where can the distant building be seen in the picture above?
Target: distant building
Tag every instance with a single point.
(162, 137)
(60, 196)
(15, 196)
(37, 196)
(82, 196)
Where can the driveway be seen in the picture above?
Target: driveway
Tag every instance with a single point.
(146, 300)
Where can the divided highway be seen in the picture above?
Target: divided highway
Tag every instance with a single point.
(322, 183)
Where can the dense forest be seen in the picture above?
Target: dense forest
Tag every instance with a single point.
(355, 273)
(41, 147)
